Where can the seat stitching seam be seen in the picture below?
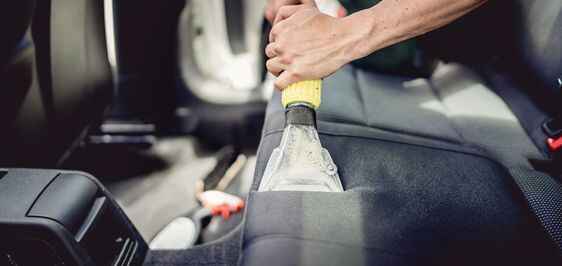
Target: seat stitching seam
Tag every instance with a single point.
(489, 81)
(454, 124)
(447, 109)
(462, 148)
(389, 130)
(408, 134)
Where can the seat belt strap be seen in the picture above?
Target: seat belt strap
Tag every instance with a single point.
(543, 194)
(553, 130)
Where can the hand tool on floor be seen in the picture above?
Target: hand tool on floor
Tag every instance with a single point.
(300, 163)
(184, 232)
(210, 191)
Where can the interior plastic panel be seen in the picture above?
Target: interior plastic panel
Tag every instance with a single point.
(63, 218)
(66, 200)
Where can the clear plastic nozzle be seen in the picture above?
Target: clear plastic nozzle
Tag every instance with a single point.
(300, 163)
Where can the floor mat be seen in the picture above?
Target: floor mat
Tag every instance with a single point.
(151, 201)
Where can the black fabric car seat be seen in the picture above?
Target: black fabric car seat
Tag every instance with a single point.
(56, 84)
(427, 168)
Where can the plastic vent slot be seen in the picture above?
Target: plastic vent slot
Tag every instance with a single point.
(127, 253)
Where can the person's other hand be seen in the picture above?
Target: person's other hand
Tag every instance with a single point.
(306, 44)
(273, 7)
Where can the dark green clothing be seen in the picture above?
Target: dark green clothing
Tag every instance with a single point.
(402, 58)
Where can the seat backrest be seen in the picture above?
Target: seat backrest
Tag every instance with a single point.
(521, 36)
(538, 42)
(57, 86)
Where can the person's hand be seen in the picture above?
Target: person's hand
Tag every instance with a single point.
(306, 44)
(274, 5)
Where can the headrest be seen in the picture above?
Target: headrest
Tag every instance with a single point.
(15, 17)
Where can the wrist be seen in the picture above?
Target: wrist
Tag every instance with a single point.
(364, 30)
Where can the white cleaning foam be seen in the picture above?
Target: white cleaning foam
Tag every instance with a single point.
(300, 164)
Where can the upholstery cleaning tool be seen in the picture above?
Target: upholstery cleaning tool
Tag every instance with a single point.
(300, 163)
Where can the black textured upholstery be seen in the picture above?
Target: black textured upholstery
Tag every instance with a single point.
(424, 162)
(544, 196)
(411, 199)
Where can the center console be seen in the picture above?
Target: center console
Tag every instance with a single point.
(52, 217)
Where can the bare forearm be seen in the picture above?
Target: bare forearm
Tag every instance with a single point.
(306, 44)
(392, 21)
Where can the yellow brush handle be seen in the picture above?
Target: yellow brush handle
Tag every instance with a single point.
(307, 92)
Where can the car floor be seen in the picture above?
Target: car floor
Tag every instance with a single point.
(154, 199)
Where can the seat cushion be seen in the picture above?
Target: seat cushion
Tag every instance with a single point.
(455, 107)
(423, 163)
(404, 204)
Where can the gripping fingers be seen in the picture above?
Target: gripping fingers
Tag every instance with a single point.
(285, 79)
(271, 50)
(285, 12)
(275, 67)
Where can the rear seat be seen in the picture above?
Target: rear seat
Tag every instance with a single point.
(422, 189)
(455, 106)
(425, 165)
